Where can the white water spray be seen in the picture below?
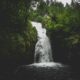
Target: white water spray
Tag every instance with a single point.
(43, 52)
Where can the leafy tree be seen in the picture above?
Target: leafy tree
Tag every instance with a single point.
(17, 37)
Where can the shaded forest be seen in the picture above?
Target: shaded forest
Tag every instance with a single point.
(18, 37)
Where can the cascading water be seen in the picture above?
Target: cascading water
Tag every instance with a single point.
(43, 52)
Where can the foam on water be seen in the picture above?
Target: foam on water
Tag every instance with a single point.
(49, 64)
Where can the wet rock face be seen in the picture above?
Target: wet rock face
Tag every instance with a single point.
(42, 73)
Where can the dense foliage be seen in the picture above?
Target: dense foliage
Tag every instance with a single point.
(18, 38)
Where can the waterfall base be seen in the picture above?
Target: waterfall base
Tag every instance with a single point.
(48, 64)
(43, 71)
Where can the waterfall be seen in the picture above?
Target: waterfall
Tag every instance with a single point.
(43, 52)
